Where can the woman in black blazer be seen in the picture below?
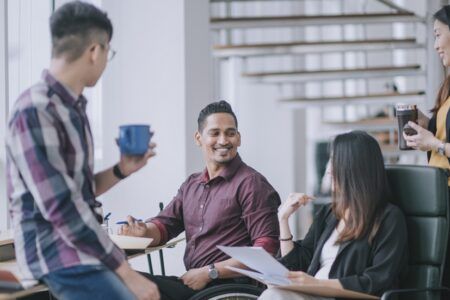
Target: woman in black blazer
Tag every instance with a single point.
(359, 241)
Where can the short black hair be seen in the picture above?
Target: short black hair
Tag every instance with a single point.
(214, 108)
(74, 26)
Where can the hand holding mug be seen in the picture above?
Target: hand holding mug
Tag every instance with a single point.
(131, 163)
(292, 203)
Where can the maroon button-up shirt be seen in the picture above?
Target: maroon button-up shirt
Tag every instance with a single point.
(237, 208)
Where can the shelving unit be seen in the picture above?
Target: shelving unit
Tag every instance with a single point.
(353, 89)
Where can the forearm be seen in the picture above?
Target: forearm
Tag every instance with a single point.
(285, 233)
(154, 233)
(332, 283)
(105, 180)
(227, 273)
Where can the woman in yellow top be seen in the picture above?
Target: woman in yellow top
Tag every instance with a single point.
(436, 140)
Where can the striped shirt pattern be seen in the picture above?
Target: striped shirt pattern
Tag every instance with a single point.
(51, 183)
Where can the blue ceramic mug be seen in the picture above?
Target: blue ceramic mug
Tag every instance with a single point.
(134, 139)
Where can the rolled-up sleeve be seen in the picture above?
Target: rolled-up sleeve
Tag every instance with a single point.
(170, 221)
(259, 202)
(35, 145)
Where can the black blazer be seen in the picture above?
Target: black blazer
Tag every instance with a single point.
(361, 267)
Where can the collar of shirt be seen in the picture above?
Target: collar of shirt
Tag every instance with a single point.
(64, 92)
(227, 173)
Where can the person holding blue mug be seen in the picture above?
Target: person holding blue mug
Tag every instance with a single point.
(52, 187)
(435, 140)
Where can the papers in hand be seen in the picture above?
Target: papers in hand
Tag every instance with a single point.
(268, 269)
(130, 242)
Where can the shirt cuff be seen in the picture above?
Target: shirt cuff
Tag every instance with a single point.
(269, 244)
(162, 231)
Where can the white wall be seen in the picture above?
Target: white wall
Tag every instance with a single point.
(3, 112)
(160, 76)
(24, 53)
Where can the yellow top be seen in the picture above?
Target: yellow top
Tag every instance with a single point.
(437, 160)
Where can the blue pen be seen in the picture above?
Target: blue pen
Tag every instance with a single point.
(106, 218)
(126, 222)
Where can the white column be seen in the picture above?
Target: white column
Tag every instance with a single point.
(161, 76)
(3, 111)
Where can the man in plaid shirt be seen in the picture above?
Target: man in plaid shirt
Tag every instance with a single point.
(51, 185)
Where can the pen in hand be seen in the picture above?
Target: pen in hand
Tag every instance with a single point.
(126, 222)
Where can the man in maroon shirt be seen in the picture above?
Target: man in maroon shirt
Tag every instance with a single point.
(228, 204)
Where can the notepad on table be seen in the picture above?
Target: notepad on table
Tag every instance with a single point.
(130, 242)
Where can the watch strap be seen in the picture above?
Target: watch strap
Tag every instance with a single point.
(441, 149)
(118, 173)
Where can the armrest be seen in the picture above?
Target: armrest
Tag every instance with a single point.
(388, 294)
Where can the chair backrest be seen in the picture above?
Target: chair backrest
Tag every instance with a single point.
(421, 192)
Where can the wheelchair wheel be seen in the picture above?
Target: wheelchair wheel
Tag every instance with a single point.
(229, 292)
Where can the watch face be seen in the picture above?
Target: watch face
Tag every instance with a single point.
(213, 274)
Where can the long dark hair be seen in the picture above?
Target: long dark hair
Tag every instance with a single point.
(443, 16)
(360, 184)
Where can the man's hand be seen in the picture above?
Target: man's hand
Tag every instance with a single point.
(130, 163)
(196, 279)
(133, 228)
(140, 286)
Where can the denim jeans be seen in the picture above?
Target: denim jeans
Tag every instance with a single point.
(86, 282)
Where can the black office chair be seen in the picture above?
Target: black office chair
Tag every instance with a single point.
(422, 194)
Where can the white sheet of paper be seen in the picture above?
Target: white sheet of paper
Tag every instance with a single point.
(130, 242)
(258, 259)
(266, 279)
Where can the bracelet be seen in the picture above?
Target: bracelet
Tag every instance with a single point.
(118, 173)
(288, 239)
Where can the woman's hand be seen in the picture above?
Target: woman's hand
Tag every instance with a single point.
(424, 140)
(292, 203)
(302, 278)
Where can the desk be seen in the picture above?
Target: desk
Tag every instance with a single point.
(11, 266)
(149, 250)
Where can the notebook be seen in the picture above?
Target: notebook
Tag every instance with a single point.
(130, 242)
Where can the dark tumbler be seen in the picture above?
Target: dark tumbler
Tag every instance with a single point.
(405, 113)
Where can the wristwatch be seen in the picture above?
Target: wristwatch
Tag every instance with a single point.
(441, 149)
(212, 272)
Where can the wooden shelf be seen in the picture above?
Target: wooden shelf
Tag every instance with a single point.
(334, 74)
(313, 47)
(313, 20)
(380, 98)
(367, 124)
